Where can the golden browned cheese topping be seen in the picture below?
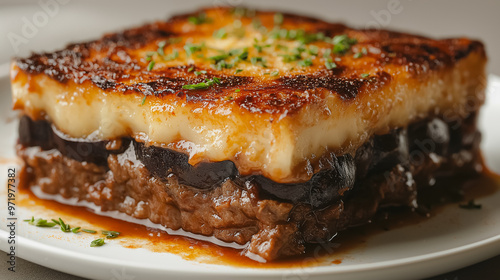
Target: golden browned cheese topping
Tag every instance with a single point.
(265, 60)
(271, 92)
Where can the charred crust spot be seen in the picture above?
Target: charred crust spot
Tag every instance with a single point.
(345, 88)
(133, 38)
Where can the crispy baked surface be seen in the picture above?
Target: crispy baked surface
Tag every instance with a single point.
(117, 62)
(270, 91)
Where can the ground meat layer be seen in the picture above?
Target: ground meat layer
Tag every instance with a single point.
(389, 170)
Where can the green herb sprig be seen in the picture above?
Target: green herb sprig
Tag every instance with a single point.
(203, 85)
(201, 18)
(97, 242)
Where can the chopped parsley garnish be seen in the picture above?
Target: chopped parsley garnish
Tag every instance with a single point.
(172, 56)
(258, 59)
(313, 50)
(238, 71)
(161, 47)
(64, 227)
(275, 73)
(295, 55)
(97, 243)
(258, 47)
(151, 65)
(365, 75)
(160, 52)
(237, 90)
(282, 47)
(143, 100)
(244, 12)
(243, 55)
(197, 73)
(199, 19)
(327, 53)
(330, 65)
(256, 23)
(67, 228)
(361, 53)
(291, 57)
(39, 222)
(278, 19)
(110, 233)
(149, 55)
(306, 62)
(220, 33)
(223, 65)
(192, 48)
(174, 40)
(190, 69)
(342, 43)
(203, 85)
(470, 205)
(219, 57)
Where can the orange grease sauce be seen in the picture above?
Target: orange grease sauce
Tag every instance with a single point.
(139, 236)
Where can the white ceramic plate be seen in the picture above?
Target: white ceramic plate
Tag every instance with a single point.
(453, 239)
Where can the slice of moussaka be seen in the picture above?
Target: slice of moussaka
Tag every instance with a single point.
(266, 129)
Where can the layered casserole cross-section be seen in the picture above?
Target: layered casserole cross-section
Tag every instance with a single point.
(265, 129)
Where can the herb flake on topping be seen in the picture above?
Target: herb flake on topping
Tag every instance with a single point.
(470, 205)
(258, 59)
(220, 33)
(197, 73)
(192, 48)
(203, 85)
(313, 50)
(201, 18)
(217, 58)
(240, 12)
(342, 43)
(143, 100)
(365, 75)
(290, 57)
(328, 53)
(243, 55)
(238, 71)
(275, 73)
(172, 56)
(306, 62)
(97, 243)
(161, 46)
(223, 65)
(258, 47)
(361, 53)
(330, 64)
(88, 230)
(278, 19)
(151, 65)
